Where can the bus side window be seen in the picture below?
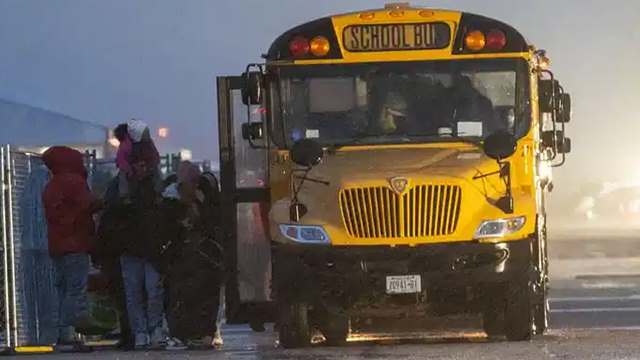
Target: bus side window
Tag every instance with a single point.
(362, 93)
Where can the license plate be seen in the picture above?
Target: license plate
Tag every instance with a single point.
(404, 284)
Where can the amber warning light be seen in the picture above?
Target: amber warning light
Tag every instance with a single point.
(300, 46)
(492, 40)
(320, 46)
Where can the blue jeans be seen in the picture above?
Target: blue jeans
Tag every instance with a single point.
(71, 275)
(141, 277)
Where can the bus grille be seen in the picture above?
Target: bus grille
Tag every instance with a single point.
(422, 211)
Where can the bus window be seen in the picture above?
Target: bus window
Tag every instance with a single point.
(495, 99)
(331, 95)
(399, 103)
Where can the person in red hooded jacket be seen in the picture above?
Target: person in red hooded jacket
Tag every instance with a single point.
(69, 205)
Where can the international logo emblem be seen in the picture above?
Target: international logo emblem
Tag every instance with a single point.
(399, 184)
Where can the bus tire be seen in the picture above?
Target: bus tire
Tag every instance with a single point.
(493, 321)
(335, 328)
(541, 316)
(541, 311)
(519, 311)
(294, 329)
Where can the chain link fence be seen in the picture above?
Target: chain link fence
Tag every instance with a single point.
(30, 301)
(6, 229)
(28, 298)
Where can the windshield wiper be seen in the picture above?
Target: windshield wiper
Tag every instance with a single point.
(362, 136)
(457, 137)
(466, 140)
(352, 141)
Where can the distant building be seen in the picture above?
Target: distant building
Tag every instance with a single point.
(33, 129)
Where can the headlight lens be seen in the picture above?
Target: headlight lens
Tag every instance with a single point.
(306, 234)
(499, 227)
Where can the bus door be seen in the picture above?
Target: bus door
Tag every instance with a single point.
(245, 206)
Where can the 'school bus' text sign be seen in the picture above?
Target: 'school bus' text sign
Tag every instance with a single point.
(390, 37)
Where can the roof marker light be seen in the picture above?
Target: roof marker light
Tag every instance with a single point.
(367, 15)
(426, 13)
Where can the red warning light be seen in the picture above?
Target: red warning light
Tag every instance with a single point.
(299, 46)
(496, 40)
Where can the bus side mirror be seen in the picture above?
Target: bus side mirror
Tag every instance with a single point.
(499, 145)
(551, 139)
(307, 153)
(546, 89)
(252, 89)
(564, 115)
(252, 131)
(564, 146)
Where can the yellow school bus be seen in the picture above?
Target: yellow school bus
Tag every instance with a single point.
(391, 163)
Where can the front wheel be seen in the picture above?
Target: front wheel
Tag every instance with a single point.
(293, 328)
(493, 321)
(519, 311)
(335, 328)
(541, 315)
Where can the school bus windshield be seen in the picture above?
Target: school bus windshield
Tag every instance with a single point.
(404, 102)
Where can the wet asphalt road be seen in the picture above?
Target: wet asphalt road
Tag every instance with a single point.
(595, 314)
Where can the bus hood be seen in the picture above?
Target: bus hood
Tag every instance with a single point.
(354, 182)
(361, 165)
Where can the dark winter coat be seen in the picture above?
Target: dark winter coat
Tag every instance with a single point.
(68, 202)
(194, 264)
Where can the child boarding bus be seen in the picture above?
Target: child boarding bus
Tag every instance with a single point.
(391, 163)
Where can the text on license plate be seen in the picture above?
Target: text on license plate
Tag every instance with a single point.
(404, 284)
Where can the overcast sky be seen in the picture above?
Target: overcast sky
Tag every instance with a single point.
(107, 61)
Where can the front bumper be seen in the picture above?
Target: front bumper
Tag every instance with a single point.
(353, 272)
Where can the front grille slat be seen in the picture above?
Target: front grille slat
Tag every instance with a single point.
(374, 218)
(442, 192)
(376, 211)
(357, 214)
(422, 211)
(393, 215)
(363, 211)
(434, 210)
(452, 210)
(418, 213)
(445, 210)
(456, 210)
(365, 216)
(345, 213)
(414, 212)
(386, 201)
(346, 210)
(428, 212)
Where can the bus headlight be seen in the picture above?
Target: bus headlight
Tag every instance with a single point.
(305, 234)
(499, 227)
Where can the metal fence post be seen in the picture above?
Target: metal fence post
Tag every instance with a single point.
(5, 241)
(11, 250)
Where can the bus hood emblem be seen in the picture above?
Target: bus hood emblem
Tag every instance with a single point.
(399, 184)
